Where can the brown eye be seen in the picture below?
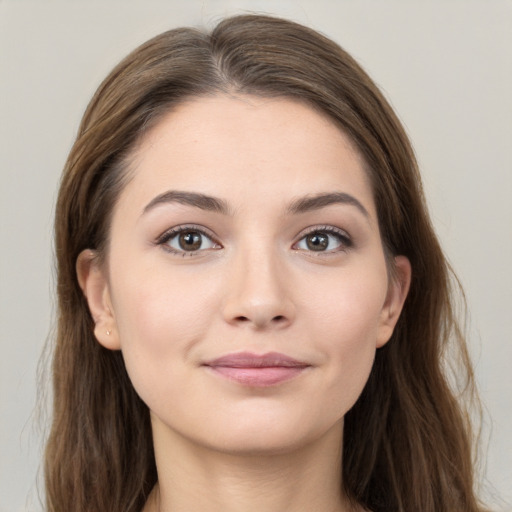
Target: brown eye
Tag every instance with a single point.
(329, 239)
(190, 240)
(317, 241)
(187, 241)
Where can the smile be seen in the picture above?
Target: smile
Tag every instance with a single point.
(257, 370)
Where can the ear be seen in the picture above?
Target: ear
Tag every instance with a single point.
(94, 285)
(397, 293)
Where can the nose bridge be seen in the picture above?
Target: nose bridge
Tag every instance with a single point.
(257, 290)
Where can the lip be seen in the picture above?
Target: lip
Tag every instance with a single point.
(257, 370)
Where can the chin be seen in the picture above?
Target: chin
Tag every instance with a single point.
(265, 435)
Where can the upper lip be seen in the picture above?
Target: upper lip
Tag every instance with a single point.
(250, 360)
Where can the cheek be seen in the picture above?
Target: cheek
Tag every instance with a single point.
(348, 316)
(154, 304)
(350, 303)
(160, 318)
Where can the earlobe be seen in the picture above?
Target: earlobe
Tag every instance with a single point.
(94, 285)
(395, 299)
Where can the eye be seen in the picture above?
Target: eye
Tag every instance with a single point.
(187, 240)
(328, 239)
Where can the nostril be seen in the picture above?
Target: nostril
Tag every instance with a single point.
(244, 319)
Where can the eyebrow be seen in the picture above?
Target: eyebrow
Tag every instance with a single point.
(213, 204)
(315, 202)
(194, 199)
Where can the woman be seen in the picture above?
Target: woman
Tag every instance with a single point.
(253, 304)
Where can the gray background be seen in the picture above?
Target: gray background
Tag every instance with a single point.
(446, 65)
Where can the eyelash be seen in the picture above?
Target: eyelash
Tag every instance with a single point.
(342, 237)
(168, 235)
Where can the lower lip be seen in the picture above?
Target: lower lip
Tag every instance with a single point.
(258, 377)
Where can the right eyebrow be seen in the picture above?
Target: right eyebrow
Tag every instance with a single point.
(316, 202)
(202, 201)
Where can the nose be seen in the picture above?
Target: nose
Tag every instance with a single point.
(259, 295)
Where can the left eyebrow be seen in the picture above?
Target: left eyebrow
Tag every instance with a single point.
(201, 201)
(309, 203)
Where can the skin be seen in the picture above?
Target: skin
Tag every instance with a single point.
(254, 285)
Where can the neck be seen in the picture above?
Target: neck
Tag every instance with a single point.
(196, 478)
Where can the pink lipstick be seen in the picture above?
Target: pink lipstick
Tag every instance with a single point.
(257, 370)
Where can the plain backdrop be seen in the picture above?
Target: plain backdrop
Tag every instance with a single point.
(445, 65)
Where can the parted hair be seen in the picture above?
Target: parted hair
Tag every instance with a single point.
(407, 440)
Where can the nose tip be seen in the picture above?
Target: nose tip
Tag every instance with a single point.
(258, 296)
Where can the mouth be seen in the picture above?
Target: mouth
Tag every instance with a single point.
(257, 370)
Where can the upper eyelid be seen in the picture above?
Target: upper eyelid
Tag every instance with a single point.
(326, 228)
(169, 233)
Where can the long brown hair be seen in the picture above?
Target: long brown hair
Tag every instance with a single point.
(407, 443)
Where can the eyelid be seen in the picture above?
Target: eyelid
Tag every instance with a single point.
(342, 234)
(176, 230)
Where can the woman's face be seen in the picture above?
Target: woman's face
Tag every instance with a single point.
(246, 283)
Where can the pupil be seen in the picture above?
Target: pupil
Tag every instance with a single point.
(190, 240)
(317, 242)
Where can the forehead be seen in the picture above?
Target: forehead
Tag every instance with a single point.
(246, 147)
